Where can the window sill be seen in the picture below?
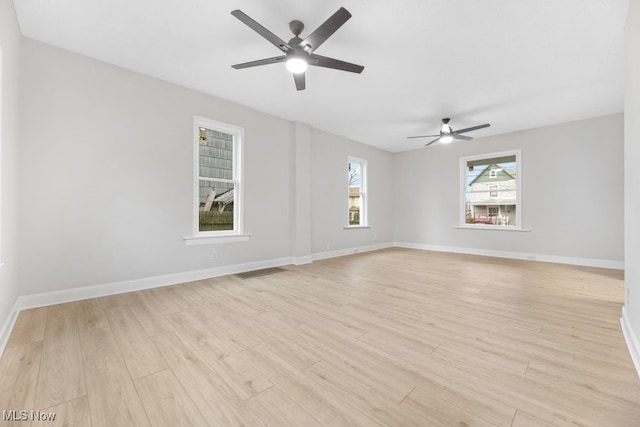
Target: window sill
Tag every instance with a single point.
(210, 240)
(492, 227)
(349, 227)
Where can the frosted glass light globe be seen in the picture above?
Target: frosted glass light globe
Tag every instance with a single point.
(296, 65)
(446, 139)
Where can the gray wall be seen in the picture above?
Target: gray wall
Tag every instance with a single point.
(106, 175)
(632, 169)
(106, 178)
(10, 62)
(329, 195)
(567, 170)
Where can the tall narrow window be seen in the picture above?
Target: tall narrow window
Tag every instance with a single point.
(218, 186)
(357, 190)
(491, 190)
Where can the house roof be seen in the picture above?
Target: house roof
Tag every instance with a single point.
(515, 64)
(503, 176)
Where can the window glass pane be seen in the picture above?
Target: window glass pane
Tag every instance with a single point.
(216, 205)
(216, 154)
(355, 188)
(354, 208)
(490, 192)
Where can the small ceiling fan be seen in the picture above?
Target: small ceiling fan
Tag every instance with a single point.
(447, 134)
(299, 53)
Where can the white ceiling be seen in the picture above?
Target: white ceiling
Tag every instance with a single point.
(516, 64)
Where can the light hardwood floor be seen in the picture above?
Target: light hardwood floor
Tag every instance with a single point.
(393, 337)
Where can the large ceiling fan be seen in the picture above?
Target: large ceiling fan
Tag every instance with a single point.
(447, 134)
(299, 53)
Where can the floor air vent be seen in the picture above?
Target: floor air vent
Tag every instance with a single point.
(258, 273)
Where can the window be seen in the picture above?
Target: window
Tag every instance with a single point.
(217, 179)
(491, 191)
(357, 192)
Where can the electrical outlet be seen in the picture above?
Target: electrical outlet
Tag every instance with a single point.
(375, 237)
(328, 246)
(531, 257)
(214, 256)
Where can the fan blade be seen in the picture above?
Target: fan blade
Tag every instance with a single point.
(336, 64)
(272, 38)
(300, 81)
(265, 61)
(462, 137)
(423, 136)
(429, 143)
(486, 125)
(324, 31)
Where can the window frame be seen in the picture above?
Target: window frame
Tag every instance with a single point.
(463, 189)
(218, 236)
(364, 211)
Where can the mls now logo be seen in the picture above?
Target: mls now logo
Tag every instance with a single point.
(27, 415)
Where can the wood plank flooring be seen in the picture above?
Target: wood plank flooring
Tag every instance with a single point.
(392, 337)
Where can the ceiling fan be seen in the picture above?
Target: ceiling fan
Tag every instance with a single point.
(447, 134)
(299, 53)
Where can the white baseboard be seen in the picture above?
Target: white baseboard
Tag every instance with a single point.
(8, 325)
(631, 338)
(302, 260)
(587, 262)
(86, 292)
(349, 251)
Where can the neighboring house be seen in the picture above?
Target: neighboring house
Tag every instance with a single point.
(216, 161)
(354, 205)
(492, 197)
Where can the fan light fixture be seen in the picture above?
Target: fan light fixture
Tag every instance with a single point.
(446, 139)
(300, 53)
(448, 135)
(296, 65)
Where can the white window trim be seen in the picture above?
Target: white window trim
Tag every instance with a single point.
(224, 236)
(463, 186)
(364, 208)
